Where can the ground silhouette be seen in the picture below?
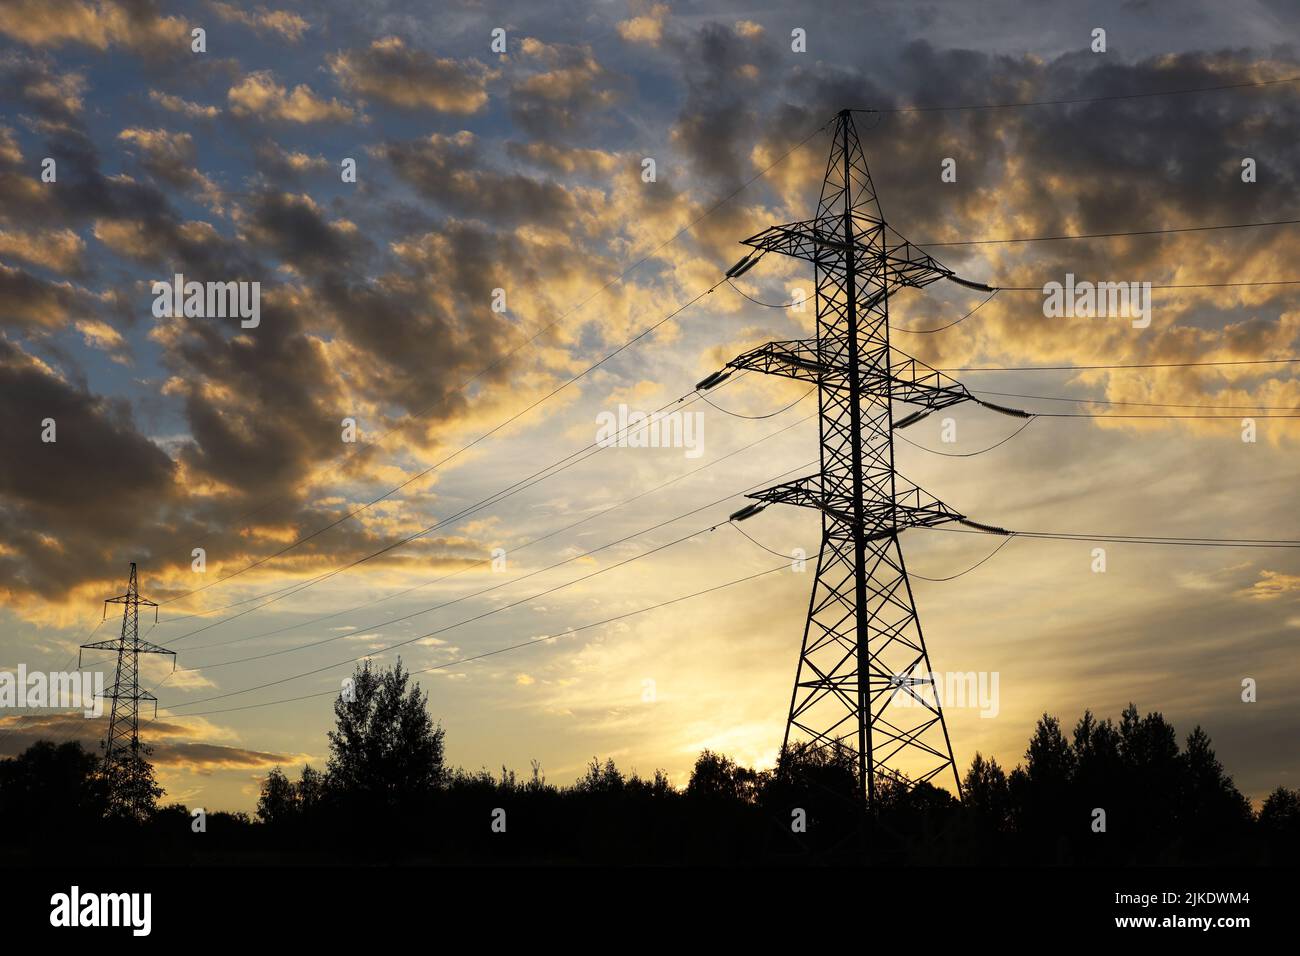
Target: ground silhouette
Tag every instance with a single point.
(1105, 793)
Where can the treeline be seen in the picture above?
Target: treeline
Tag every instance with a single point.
(1104, 793)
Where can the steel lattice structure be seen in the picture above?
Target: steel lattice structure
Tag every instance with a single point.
(864, 680)
(123, 764)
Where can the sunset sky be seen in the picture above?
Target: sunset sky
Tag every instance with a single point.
(523, 171)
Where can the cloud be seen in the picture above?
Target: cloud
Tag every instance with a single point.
(648, 28)
(55, 96)
(562, 160)
(31, 303)
(560, 87)
(100, 335)
(1272, 585)
(259, 95)
(170, 157)
(59, 249)
(176, 104)
(392, 73)
(53, 516)
(167, 740)
(100, 25)
(453, 171)
(282, 23)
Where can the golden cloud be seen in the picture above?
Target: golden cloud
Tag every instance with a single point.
(258, 94)
(392, 73)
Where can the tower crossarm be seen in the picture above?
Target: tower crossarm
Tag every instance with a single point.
(910, 506)
(822, 241)
(916, 383)
(797, 358)
(138, 647)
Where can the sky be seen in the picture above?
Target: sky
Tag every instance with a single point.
(501, 237)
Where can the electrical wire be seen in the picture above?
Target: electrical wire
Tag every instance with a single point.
(1102, 401)
(612, 282)
(1110, 235)
(754, 418)
(752, 540)
(514, 550)
(1158, 416)
(766, 305)
(511, 647)
(953, 577)
(970, 454)
(420, 474)
(378, 625)
(549, 471)
(1184, 285)
(1278, 543)
(442, 630)
(950, 324)
(1084, 99)
(1090, 368)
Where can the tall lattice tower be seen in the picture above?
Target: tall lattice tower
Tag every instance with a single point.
(864, 681)
(124, 766)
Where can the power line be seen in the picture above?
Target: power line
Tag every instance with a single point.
(754, 541)
(950, 324)
(1191, 285)
(466, 597)
(953, 577)
(1278, 543)
(1111, 235)
(461, 623)
(1087, 368)
(1084, 99)
(551, 394)
(1102, 401)
(1113, 415)
(766, 305)
(512, 647)
(509, 491)
(513, 550)
(612, 282)
(555, 391)
(970, 454)
(783, 408)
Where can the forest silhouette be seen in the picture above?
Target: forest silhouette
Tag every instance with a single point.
(387, 795)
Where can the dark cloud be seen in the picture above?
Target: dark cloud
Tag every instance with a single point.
(562, 89)
(393, 73)
(21, 732)
(452, 171)
(65, 505)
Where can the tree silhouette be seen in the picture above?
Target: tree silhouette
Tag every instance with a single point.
(987, 794)
(1279, 819)
(131, 791)
(385, 752)
(387, 795)
(278, 803)
(49, 790)
(717, 777)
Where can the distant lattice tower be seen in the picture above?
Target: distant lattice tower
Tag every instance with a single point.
(123, 766)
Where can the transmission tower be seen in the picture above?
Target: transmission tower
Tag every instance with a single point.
(864, 681)
(124, 764)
